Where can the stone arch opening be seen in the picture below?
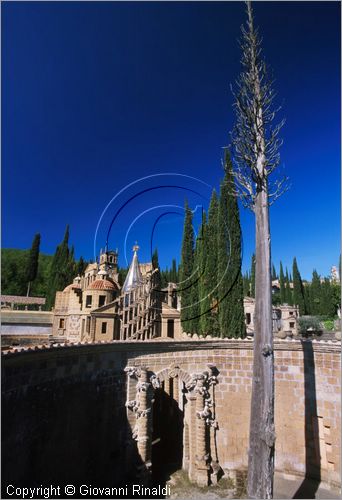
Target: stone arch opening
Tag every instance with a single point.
(175, 424)
(167, 429)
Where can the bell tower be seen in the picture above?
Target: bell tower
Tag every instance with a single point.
(109, 263)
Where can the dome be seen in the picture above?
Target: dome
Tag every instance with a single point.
(102, 285)
(71, 287)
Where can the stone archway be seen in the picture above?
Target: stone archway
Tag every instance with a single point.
(195, 396)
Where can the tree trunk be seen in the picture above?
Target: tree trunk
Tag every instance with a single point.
(262, 436)
(28, 289)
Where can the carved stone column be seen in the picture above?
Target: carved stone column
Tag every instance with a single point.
(192, 436)
(202, 475)
(144, 420)
(142, 408)
(176, 389)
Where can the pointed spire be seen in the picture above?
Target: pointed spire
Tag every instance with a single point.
(134, 276)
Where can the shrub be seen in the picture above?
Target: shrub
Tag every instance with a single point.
(328, 325)
(309, 324)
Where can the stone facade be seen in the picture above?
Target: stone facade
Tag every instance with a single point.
(116, 409)
(95, 307)
(284, 317)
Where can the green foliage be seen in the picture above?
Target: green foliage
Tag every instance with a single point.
(157, 274)
(187, 261)
(276, 298)
(288, 290)
(209, 320)
(328, 324)
(336, 296)
(309, 322)
(327, 306)
(62, 271)
(298, 290)
(203, 299)
(122, 272)
(274, 273)
(282, 285)
(13, 273)
(173, 278)
(81, 266)
(315, 294)
(246, 285)
(231, 311)
(32, 262)
(194, 322)
(252, 292)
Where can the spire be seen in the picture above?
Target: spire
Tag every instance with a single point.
(134, 277)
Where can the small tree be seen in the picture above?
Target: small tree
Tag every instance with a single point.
(61, 269)
(231, 312)
(211, 267)
(315, 294)
(246, 285)
(187, 261)
(282, 285)
(256, 144)
(274, 273)
(253, 276)
(173, 272)
(298, 289)
(81, 266)
(288, 289)
(327, 299)
(32, 262)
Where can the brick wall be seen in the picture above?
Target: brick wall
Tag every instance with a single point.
(82, 390)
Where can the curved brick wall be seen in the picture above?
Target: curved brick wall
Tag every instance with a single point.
(64, 415)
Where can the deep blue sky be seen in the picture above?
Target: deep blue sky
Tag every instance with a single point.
(96, 95)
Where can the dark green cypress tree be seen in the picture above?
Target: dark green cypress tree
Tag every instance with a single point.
(81, 266)
(231, 310)
(198, 289)
(157, 295)
(187, 261)
(327, 300)
(298, 290)
(164, 278)
(59, 276)
(210, 324)
(71, 268)
(307, 297)
(274, 273)
(253, 276)
(288, 290)
(315, 294)
(173, 272)
(157, 282)
(246, 285)
(282, 284)
(32, 262)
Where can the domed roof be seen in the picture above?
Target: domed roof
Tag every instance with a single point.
(102, 285)
(71, 287)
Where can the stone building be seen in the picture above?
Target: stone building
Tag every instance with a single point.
(96, 308)
(284, 317)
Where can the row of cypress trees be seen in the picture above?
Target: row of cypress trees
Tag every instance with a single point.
(63, 269)
(321, 297)
(211, 286)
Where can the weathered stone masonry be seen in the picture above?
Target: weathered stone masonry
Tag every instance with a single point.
(199, 452)
(65, 415)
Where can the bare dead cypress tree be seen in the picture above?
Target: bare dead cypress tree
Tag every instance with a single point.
(256, 145)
